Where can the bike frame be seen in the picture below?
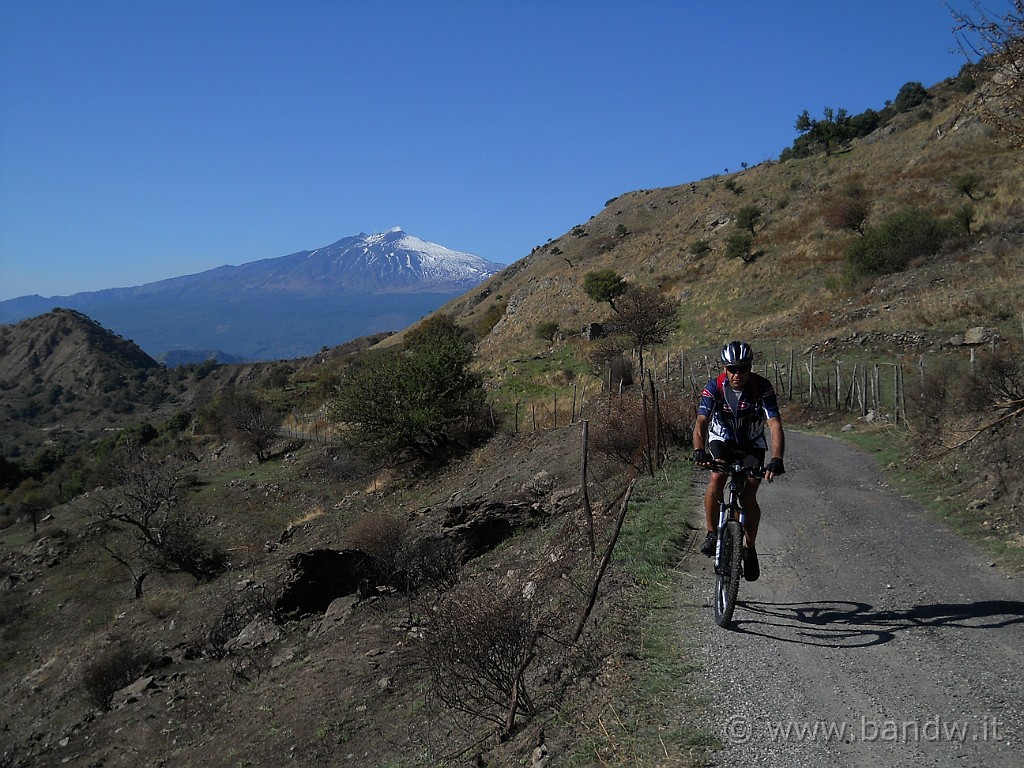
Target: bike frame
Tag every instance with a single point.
(731, 508)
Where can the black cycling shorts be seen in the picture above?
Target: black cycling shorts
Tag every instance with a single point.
(730, 452)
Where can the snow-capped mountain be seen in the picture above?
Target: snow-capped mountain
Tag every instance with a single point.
(384, 262)
(282, 307)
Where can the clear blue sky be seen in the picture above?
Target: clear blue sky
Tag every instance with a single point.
(145, 140)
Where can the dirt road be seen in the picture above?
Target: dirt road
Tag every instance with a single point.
(875, 636)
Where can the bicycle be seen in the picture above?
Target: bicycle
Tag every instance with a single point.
(730, 548)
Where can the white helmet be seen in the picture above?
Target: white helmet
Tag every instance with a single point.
(737, 353)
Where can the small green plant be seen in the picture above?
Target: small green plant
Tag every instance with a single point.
(966, 185)
(604, 285)
(699, 248)
(748, 217)
(547, 331)
(738, 245)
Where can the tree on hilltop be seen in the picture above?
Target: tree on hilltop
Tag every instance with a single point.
(829, 132)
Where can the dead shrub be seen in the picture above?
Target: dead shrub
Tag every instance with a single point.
(478, 647)
(998, 381)
(624, 426)
(250, 603)
(436, 563)
(386, 538)
(116, 668)
(404, 562)
(931, 400)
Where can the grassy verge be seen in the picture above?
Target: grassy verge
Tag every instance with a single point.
(654, 717)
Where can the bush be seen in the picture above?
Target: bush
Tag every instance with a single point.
(422, 403)
(910, 95)
(898, 239)
(748, 217)
(604, 285)
(848, 210)
(252, 602)
(699, 248)
(118, 667)
(478, 647)
(738, 245)
(547, 331)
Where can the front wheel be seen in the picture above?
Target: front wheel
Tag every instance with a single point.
(727, 573)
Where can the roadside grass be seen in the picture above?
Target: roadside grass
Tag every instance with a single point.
(655, 719)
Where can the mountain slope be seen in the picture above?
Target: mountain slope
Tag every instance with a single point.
(796, 289)
(284, 307)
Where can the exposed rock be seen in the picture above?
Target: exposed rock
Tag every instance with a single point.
(134, 691)
(320, 576)
(482, 525)
(980, 335)
(259, 631)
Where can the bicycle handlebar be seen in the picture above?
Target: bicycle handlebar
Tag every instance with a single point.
(722, 466)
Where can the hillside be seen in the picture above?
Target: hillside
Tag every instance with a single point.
(67, 381)
(311, 648)
(795, 291)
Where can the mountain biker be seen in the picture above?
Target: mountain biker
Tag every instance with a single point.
(731, 417)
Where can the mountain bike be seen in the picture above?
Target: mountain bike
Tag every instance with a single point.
(730, 547)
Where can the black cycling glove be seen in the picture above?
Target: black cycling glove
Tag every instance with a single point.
(701, 457)
(776, 467)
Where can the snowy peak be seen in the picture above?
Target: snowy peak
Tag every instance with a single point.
(396, 260)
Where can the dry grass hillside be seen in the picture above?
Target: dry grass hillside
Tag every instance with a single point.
(797, 289)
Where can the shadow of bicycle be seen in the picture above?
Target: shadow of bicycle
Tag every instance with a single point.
(843, 623)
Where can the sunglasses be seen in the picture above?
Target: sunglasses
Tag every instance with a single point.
(738, 368)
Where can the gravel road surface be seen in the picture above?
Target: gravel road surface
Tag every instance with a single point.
(875, 636)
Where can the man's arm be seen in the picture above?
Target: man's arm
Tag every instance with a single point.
(778, 444)
(700, 440)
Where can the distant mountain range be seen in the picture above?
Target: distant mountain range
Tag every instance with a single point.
(279, 308)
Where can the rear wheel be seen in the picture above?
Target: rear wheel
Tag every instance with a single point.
(727, 575)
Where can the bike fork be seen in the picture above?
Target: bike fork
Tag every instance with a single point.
(723, 518)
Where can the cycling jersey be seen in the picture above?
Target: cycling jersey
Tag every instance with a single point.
(739, 418)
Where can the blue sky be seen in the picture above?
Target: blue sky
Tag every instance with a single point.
(145, 140)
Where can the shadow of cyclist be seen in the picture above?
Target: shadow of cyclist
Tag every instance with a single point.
(854, 624)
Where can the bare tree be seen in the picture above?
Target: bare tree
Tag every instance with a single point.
(145, 522)
(996, 45)
(646, 316)
(253, 421)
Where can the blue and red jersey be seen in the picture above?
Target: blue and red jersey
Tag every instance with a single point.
(739, 418)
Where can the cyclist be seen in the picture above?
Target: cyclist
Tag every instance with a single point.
(731, 417)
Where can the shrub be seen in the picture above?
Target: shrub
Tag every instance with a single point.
(848, 210)
(422, 403)
(547, 331)
(738, 245)
(699, 248)
(910, 95)
(604, 285)
(966, 184)
(478, 647)
(244, 606)
(118, 667)
(748, 217)
(898, 239)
